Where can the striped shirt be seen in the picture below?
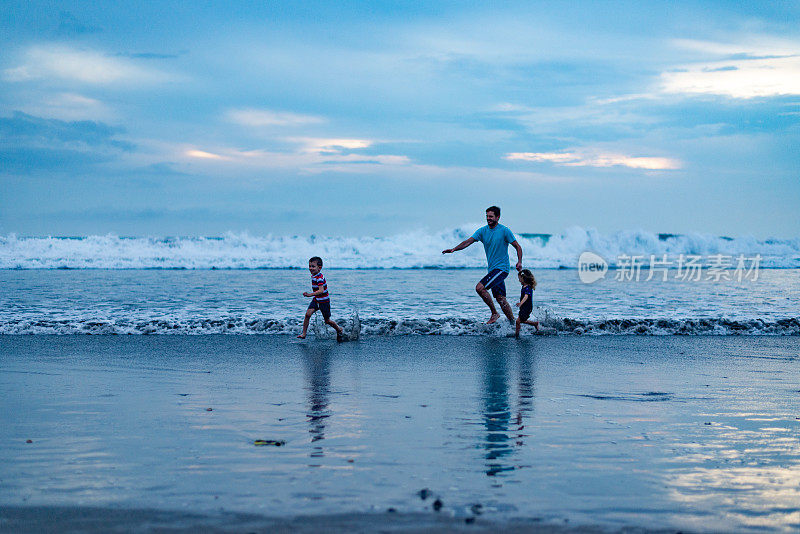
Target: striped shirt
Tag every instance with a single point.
(317, 282)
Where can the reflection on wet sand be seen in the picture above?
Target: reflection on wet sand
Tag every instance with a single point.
(104, 420)
(501, 434)
(525, 384)
(317, 366)
(750, 464)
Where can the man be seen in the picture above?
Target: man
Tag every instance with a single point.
(495, 238)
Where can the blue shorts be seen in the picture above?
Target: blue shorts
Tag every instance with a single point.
(495, 281)
(323, 306)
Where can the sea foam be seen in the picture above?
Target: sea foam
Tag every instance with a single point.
(411, 250)
(371, 327)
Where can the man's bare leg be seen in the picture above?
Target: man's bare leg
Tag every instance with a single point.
(506, 307)
(487, 298)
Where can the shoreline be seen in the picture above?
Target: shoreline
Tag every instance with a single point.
(369, 328)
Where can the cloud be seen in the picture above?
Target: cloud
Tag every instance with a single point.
(24, 128)
(747, 70)
(151, 55)
(312, 155)
(596, 159)
(201, 154)
(508, 107)
(84, 66)
(328, 145)
(593, 120)
(239, 163)
(744, 79)
(67, 106)
(265, 117)
(29, 143)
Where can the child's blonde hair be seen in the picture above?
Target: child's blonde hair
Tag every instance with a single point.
(527, 278)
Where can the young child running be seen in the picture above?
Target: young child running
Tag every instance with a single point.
(525, 303)
(321, 300)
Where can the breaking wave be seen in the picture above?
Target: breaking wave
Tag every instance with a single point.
(373, 327)
(413, 250)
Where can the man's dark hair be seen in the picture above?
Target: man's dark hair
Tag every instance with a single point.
(495, 210)
(317, 260)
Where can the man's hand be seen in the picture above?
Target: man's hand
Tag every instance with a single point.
(464, 244)
(519, 254)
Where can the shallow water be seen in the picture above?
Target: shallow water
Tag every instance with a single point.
(685, 432)
(387, 302)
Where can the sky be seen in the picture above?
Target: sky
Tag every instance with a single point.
(378, 118)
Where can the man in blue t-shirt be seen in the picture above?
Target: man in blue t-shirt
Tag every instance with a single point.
(495, 238)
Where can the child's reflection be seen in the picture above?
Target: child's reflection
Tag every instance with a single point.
(317, 364)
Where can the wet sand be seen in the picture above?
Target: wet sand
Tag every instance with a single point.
(98, 520)
(690, 433)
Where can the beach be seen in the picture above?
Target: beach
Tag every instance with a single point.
(399, 267)
(696, 433)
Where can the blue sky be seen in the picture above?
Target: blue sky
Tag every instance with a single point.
(374, 118)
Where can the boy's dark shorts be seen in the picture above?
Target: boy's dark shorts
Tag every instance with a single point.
(495, 281)
(525, 312)
(324, 307)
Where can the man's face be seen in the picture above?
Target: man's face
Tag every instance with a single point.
(313, 268)
(491, 219)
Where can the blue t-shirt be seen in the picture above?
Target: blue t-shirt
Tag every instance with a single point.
(495, 243)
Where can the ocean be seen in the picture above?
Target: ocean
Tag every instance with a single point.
(397, 285)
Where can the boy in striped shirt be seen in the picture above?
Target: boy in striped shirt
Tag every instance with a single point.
(321, 300)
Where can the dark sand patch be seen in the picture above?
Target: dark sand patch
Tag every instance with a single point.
(66, 520)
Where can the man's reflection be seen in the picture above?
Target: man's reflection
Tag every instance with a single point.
(502, 434)
(496, 410)
(317, 364)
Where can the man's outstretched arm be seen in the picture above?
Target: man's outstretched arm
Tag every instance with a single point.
(517, 246)
(462, 245)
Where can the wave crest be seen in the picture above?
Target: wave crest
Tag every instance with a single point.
(412, 250)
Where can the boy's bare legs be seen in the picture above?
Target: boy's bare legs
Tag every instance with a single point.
(517, 326)
(339, 329)
(506, 307)
(487, 298)
(307, 318)
(309, 313)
